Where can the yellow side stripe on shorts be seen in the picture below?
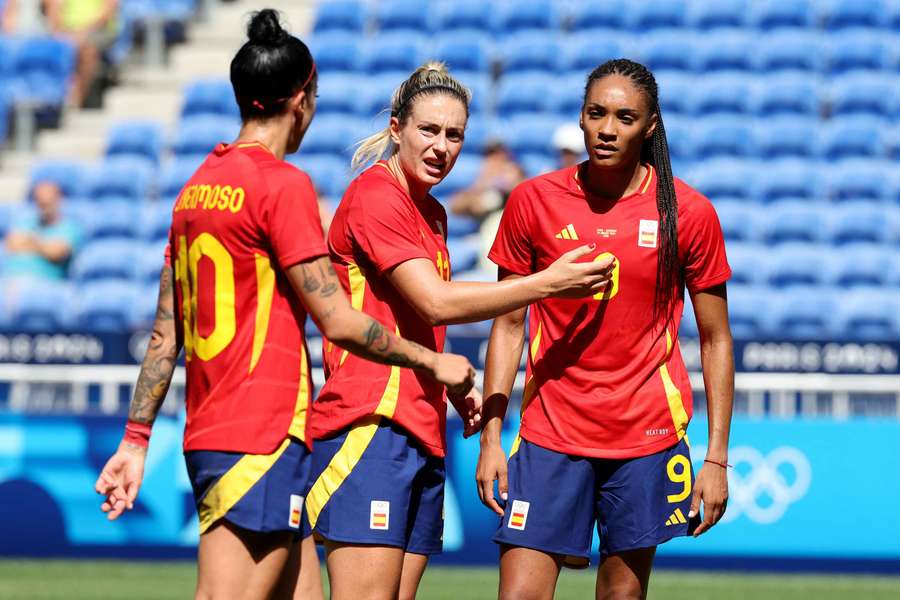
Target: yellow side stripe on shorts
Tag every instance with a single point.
(235, 483)
(340, 466)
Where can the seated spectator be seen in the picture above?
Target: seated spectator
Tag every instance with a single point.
(93, 26)
(40, 245)
(499, 175)
(568, 140)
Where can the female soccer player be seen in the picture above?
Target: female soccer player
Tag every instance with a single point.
(607, 399)
(245, 243)
(378, 493)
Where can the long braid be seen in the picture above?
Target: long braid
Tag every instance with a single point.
(655, 152)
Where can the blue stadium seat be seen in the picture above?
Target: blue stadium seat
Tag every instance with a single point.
(464, 252)
(466, 15)
(209, 97)
(116, 178)
(858, 179)
(114, 218)
(795, 221)
(854, 50)
(863, 93)
(172, 178)
(340, 15)
(726, 179)
(860, 264)
(796, 263)
(143, 313)
(676, 92)
(155, 220)
(673, 49)
(339, 93)
(581, 53)
(840, 14)
(149, 262)
(335, 51)
(464, 173)
(723, 137)
(724, 51)
(135, 138)
(481, 87)
(537, 164)
(530, 51)
(749, 312)
(773, 14)
(106, 305)
(70, 176)
(465, 52)
(43, 66)
(201, 134)
(719, 13)
(106, 258)
(530, 134)
(680, 136)
(892, 143)
(377, 91)
(747, 261)
(789, 178)
(788, 93)
(40, 305)
(728, 93)
(854, 136)
(790, 51)
(794, 136)
(740, 221)
(567, 96)
(478, 133)
(393, 52)
(330, 174)
(656, 14)
(591, 15)
(858, 221)
(515, 16)
(403, 15)
(688, 327)
(868, 314)
(332, 134)
(803, 312)
(524, 93)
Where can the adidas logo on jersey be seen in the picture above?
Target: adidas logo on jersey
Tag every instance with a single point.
(519, 514)
(567, 233)
(677, 518)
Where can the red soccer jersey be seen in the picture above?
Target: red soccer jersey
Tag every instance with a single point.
(240, 221)
(604, 380)
(376, 227)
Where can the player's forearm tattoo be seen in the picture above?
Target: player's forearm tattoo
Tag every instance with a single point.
(164, 311)
(373, 333)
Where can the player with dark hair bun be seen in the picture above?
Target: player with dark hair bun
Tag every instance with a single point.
(246, 262)
(607, 397)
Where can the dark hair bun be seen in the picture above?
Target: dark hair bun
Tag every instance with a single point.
(265, 29)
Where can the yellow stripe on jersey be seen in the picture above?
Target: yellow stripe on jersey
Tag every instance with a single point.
(340, 466)
(234, 484)
(357, 280)
(298, 423)
(673, 394)
(265, 289)
(530, 385)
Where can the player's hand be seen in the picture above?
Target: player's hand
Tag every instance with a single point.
(711, 487)
(120, 479)
(492, 467)
(569, 278)
(469, 408)
(455, 372)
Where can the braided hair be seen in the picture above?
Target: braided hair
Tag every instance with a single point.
(655, 151)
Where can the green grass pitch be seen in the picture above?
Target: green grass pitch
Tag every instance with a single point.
(96, 580)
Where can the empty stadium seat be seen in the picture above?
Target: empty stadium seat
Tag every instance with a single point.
(747, 261)
(860, 264)
(749, 312)
(790, 51)
(121, 178)
(668, 49)
(857, 179)
(332, 134)
(591, 15)
(143, 312)
(114, 218)
(680, 136)
(70, 176)
(688, 326)
(213, 97)
(790, 178)
(723, 51)
(403, 15)
(201, 134)
(339, 93)
(155, 220)
(868, 314)
(723, 137)
(772, 14)
(726, 93)
(530, 51)
(106, 305)
(526, 134)
(840, 14)
(335, 51)
(340, 15)
(656, 14)
(513, 17)
(172, 178)
(781, 137)
(478, 133)
(803, 312)
(739, 221)
(42, 66)
(463, 52)
(725, 179)
(329, 174)
(466, 15)
(858, 221)
(718, 13)
(525, 93)
(582, 53)
(393, 52)
(149, 261)
(853, 50)
(789, 93)
(464, 252)
(135, 138)
(855, 136)
(795, 221)
(103, 259)
(466, 169)
(863, 93)
(676, 92)
(38, 305)
(794, 264)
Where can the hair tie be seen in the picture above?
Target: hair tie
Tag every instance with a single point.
(258, 104)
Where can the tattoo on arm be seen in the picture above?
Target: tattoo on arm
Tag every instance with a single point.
(310, 283)
(329, 277)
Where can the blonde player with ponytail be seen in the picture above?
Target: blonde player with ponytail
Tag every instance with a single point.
(378, 464)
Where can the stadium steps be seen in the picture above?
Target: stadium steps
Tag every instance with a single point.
(153, 93)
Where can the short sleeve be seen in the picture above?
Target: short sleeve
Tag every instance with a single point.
(386, 229)
(291, 220)
(700, 235)
(512, 248)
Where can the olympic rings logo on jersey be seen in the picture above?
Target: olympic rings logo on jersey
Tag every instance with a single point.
(762, 487)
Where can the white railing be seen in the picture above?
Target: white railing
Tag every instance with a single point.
(68, 388)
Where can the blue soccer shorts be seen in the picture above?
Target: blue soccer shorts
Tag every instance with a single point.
(258, 492)
(374, 484)
(555, 499)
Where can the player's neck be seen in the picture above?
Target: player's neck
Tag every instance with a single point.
(274, 138)
(611, 183)
(416, 190)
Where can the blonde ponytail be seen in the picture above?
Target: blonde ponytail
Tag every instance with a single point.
(431, 77)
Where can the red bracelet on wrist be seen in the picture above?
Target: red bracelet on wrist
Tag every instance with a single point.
(724, 465)
(137, 433)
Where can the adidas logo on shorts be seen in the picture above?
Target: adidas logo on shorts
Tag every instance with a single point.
(519, 515)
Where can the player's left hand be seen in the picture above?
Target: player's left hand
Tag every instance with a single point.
(469, 408)
(711, 487)
(121, 479)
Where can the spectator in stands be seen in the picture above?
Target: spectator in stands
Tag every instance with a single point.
(568, 140)
(93, 26)
(41, 244)
(500, 173)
